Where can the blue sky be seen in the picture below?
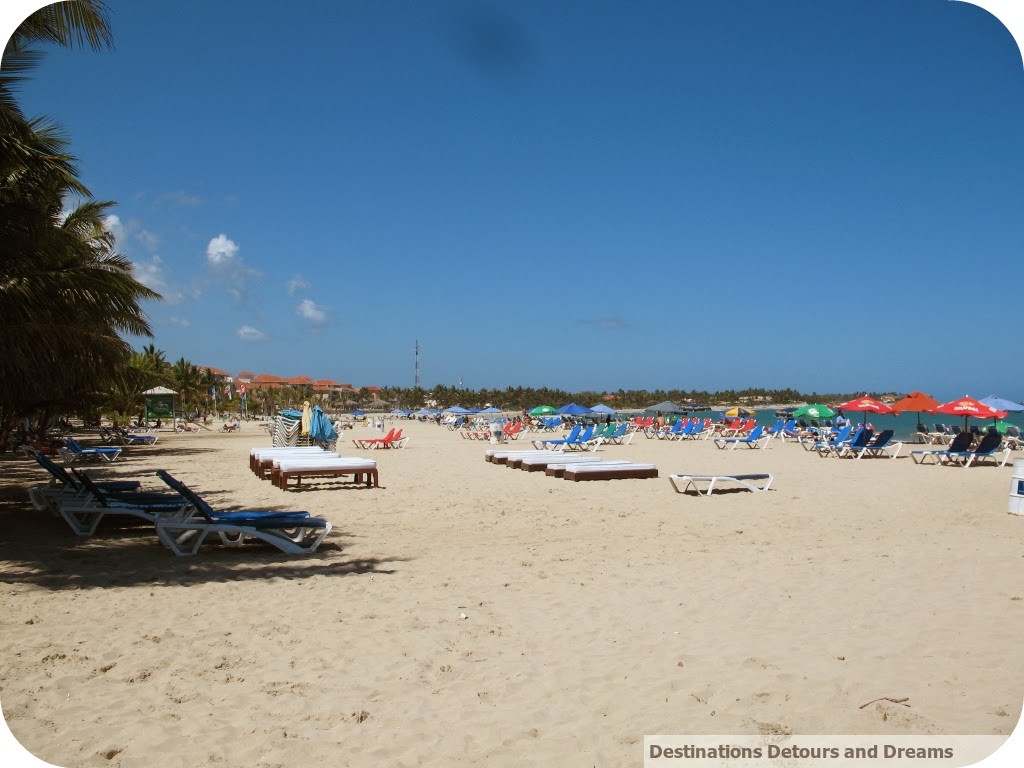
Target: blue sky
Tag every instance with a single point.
(586, 195)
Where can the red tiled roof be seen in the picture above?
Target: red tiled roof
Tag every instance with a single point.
(320, 385)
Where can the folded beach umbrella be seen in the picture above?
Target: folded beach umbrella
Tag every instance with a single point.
(320, 427)
(307, 415)
(866, 405)
(967, 407)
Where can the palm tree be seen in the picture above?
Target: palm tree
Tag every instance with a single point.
(187, 381)
(124, 396)
(66, 294)
(84, 21)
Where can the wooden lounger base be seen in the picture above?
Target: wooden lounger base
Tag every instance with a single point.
(683, 483)
(557, 468)
(360, 475)
(624, 472)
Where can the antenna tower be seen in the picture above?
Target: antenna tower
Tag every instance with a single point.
(417, 363)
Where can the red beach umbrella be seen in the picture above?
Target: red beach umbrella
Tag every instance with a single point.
(967, 407)
(867, 405)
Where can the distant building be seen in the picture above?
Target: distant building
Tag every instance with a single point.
(219, 373)
(322, 387)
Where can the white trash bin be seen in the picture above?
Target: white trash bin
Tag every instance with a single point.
(1017, 488)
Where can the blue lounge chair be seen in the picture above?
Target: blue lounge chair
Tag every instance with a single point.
(621, 436)
(753, 440)
(960, 444)
(701, 428)
(290, 532)
(583, 442)
(790, 431)
(880, 445)
(987, 448)
(131, 438)
(63, 486)
(677, 429)
(84, 512)
(574, 433)
(859, 439)
(73, 452)
(840, 437)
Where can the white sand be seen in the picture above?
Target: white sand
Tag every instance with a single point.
(596, 612)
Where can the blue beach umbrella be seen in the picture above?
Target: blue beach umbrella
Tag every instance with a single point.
(573, 409)
(457, 409)
(1001, 404)
(490, 410)
(603, 409)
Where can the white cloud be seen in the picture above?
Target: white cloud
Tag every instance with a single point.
(122, 230)
(221, 251)
(297, 283)
(114, 226)
(312, 312)
(151, 274)
(181, 322)
(248, 333)
(222, 255)
(148, 239)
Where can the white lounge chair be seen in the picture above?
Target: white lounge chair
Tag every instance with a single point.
(682, 483)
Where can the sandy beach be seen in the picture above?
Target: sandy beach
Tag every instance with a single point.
(466, 614)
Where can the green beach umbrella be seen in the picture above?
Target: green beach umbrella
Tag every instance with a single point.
(543, 410)
(814, 411)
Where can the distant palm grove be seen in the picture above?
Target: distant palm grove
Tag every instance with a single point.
(68, 297)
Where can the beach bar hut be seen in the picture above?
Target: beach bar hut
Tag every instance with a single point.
(159, 403)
